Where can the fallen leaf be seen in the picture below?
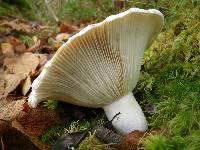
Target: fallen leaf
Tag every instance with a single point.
(104, 134)
(26, 85)
(9, 23)
(24, 28)
(19, 68)
(69, 140)
(4, 125)
(17, 44)
(37, 120)
(10, 110)
(13, 139)
(7, 49)
(35, 39)
(10, 113)
(42, 59)
(35, 47)
(119, 3)
(26, 107)
(57, 45)
(2, 82)
(18, 25)
(64, 27)
(12, 81)
(63, 37)
(22, 65)
(1, 59)
(40, 145)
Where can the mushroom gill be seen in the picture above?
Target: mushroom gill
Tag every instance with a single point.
(100, 65)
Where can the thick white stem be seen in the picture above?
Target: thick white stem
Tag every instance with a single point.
(131, 116)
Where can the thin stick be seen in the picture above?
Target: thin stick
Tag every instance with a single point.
(2, 144)
(51, 11)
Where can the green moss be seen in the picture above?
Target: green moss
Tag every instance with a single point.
(86, 11)
(154, 142)
(183, 123)
(18, 8)
(51, 104)
(176, 142)
(6, 9)
(51, 134)
(91, 142)
(193, 141)
(77, 126)
(27, 40)
(172, 66)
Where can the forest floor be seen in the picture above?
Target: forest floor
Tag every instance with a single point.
(168, 89)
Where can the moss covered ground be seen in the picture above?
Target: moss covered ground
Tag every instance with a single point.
(170, 79)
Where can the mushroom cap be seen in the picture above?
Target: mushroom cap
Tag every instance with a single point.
(101, 63)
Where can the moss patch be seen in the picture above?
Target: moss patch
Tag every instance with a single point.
(171, 77)
(91, 142)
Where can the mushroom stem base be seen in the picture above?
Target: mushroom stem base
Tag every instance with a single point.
(131, 116)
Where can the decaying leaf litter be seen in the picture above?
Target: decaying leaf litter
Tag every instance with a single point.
(179, 42)
(23, 55)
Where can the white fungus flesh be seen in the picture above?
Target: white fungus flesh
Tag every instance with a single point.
(100, 66)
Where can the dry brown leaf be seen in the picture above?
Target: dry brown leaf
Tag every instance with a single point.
(26, 85)
(119, 3)
(24, 28)
(10, 110)
(42, 59)
(13, 139)
(7, 49)
(4, 125)
(33, 139)
(22, 65)
(35, 39)
(26, 107)
(18, 69)
(65, 27)
(18, 25)
(17, 44)
(2, 82)
(9, 23)
(63, 37)
(35, 47)
(38, 120)
(12, 81)
(57, 45)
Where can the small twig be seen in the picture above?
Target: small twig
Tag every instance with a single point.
(108, 124)
(2, 144)
(115, 116)
(51, 11)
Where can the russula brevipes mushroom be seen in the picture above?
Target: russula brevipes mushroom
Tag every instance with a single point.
(100, 66)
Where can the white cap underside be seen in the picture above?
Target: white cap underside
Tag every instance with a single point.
(101, 63)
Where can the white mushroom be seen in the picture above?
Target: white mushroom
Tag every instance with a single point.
(100, 66)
